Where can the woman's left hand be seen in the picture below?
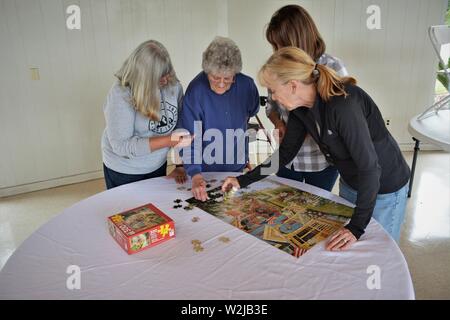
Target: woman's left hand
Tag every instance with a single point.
(179, 174)
(341, 240)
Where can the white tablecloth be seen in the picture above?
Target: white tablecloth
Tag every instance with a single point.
(244, 268)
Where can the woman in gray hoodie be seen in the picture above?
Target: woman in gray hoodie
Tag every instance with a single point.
(141, 113)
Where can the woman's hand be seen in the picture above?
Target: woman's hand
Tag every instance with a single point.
(281, 127)
(199, 188)
(341, 240)
(229, 183)
(181, 138)
(179, 174)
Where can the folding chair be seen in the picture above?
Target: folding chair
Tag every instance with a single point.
(432, 124)
(439, 36)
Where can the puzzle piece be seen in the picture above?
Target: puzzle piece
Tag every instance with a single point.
(181, 188)
(224, 239)
(197, 245)
(177, 201)
(198, 248)
(177, 206)
(227, 195)
(195, 219)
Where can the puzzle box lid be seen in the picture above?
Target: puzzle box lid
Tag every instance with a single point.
(139, 219)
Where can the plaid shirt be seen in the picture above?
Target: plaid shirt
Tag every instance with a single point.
(309, 157)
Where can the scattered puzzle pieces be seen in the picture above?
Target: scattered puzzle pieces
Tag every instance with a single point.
(224, 239)
(198, 248)
(197, 245)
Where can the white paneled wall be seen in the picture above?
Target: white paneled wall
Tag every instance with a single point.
(395, 65)
(50, 129)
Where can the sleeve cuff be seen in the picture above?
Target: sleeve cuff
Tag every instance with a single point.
(192, 171)
(243, 180)
(356, 231)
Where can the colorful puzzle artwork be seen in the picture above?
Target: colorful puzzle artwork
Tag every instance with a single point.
(289, 219)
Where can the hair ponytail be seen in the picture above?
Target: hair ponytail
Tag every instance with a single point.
(329, 84)
(291, 63)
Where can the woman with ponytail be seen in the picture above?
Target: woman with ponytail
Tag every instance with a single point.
(349, 129)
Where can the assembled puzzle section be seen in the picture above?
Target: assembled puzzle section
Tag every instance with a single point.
(141, 228)
(287, 218)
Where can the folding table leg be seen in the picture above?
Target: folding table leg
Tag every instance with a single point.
(413, 168)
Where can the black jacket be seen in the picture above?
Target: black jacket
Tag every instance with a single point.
(351, 133)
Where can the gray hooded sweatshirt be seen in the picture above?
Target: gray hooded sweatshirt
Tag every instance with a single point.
(125, 143)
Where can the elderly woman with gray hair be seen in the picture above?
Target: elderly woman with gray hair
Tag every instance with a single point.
(216, 108)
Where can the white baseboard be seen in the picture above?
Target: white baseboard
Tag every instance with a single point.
(35, 186)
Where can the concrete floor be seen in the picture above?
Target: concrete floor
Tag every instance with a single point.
(425, 239)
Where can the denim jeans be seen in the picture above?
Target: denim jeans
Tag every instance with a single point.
(324, 179)
(389, 208)
(114, 179)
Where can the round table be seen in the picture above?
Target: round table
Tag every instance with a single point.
(244, 268)
(432, 128)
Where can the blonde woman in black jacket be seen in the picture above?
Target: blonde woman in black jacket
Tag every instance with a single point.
(348, 127)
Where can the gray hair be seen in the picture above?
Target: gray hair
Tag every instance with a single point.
(142, 72)
(222, 55)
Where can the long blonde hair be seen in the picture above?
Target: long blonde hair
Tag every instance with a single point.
(142, 73)
(291, 63)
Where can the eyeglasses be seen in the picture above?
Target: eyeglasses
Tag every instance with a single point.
(225, 80)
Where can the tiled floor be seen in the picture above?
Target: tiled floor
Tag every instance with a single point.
(425, 238)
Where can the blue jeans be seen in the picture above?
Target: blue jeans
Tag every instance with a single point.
(389, 208)
(114, 179)
(324, 179)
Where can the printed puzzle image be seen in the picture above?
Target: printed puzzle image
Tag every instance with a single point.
(289, 219)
